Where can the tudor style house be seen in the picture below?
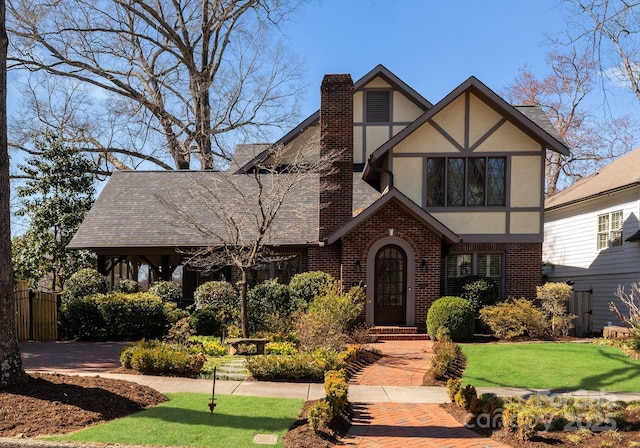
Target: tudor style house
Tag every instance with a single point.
(422, 195)
(592, 236)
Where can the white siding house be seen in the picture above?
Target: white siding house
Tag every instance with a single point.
(592, 235)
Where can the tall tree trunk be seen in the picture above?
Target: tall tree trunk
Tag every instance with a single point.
(11, 370)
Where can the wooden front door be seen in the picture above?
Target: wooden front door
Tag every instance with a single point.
(390, 305)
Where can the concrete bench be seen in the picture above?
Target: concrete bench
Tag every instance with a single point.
(235, 343)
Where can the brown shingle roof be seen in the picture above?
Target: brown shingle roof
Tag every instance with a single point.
(619, 174)
(133, 210)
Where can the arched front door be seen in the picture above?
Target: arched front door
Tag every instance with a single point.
(390, 295)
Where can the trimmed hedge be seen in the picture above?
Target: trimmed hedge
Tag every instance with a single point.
(114, 316)
(300, 366)
(455, 313)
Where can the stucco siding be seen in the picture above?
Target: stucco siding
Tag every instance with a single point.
(526, 181)
(473, 222)
(404, 110)
(408, 178)
(509, 138)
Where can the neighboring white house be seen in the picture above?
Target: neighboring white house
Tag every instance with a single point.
(592, 235)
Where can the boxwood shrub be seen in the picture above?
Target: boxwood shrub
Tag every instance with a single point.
(455, 313)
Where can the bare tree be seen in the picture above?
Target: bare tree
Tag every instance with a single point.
(245, 217)
(564, 96)
(11, 370)
(610, 30)
(177, 75)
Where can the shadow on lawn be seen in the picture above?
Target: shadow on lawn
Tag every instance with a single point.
(630, 370)
(218, 418)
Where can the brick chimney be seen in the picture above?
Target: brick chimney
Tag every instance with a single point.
(336, 137)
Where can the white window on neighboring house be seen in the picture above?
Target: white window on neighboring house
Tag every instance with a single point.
(610, 230)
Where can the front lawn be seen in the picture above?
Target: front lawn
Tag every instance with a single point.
(551, 365)
(185, 420)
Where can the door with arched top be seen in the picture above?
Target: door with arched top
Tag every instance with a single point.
(390, 295)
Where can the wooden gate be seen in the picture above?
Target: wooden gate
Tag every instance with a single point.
(36, 314)
(581, 305)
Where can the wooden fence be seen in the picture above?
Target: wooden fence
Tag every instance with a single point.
(36, 314)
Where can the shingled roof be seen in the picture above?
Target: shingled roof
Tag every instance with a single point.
(620, 174)
(135, 210)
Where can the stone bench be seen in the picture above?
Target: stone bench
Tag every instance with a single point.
(235, 343)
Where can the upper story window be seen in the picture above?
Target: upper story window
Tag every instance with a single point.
(378, 106)
(459, 181)
(610, 230)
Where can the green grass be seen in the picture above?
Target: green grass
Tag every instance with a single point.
(185, 420)
(550, 365)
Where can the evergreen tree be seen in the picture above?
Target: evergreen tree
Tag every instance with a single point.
(56, 196)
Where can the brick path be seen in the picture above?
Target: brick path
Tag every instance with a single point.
(400, 425)
(404, 364)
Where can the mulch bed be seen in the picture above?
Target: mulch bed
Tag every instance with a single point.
(57, 404)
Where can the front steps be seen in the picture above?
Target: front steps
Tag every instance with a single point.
(397, 333)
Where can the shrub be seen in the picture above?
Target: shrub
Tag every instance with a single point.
(443, 359)
(280, 348)
(128, 286)
(453, 386)
(157, 357)
(215, 294)
(319, 415)
(205, 322)
(328, 318)
(208, 345)
(299, 366)
(173, 314)
(131, 316)
(443, 334)
(167, 291)
(456, 314)
(305, 286)
(479, 291)
(81, 318)
(269, 306)
(487, 404)
(115, 316)
(180, 332)
(84, 283)
(553, 298)
(464, 396)
(513, 318)
(336, 389)
(526, 421)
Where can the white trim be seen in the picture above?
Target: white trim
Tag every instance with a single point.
(371, 278)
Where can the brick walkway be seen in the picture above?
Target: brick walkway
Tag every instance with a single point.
(404, 364)
(399, 425)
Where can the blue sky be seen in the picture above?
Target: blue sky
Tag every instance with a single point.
(431, 45)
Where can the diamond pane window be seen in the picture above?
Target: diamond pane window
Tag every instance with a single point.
(495, 181)
(475, 181)
(455, 182)
(435, 182)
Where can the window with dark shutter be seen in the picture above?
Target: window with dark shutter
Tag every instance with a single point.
(378, 106)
